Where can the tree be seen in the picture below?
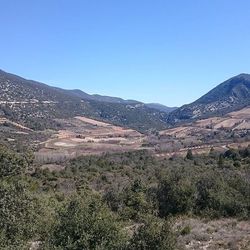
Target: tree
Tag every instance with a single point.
(189, 155)
(134, 202)
(232, 154)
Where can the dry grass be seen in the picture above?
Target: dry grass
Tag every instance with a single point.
(229, 234)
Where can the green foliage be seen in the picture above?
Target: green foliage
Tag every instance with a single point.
(233, 154)
(216, 197)
(86, 223)
(134, 202)
(17, 214)
(245, 152)
(131, 196)
(186, 230)
(175, 195)
(153, 234)
(19, 208)
(11, 164)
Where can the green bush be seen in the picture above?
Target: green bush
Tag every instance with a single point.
(86, 223)
(153, 234)
(186, 230)
(175, 196)
(11, 164)
(216, 197)
(18, 216)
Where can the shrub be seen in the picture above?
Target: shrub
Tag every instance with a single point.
(11, 164)
(17, 215)
(153, 234)
(189, 155)
(186, 230)
(175, 196)
(86, 223)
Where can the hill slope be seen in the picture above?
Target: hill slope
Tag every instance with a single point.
(36, 105)
(161, 107)
(110, 99)
(100, 98)
(230, 95)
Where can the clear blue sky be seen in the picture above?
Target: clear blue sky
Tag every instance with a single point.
(163, 51)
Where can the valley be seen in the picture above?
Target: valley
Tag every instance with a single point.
(125, 125)
(85, 136)
(174, 176)
(231, 130)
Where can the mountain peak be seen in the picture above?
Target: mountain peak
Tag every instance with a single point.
(244, 76)
(228, 96)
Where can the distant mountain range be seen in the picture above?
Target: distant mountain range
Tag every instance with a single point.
(37, 105)
(101, 98)
(230, 95)
(161, 107)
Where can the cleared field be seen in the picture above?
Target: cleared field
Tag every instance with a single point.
(243, 125)
(218, 132)
(238, 120)
(92, 122)
(208, 122)
(227, 123)
(84, 136)
(241, 114)
(182, 132)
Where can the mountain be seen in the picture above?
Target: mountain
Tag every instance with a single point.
(230, 95)
(101, 98)
(37, 105)
(110, 99)
(161, 107)
(17, 89)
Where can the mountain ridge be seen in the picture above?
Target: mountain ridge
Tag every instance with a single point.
(78, 93)
(32, 102)
(37, 105)
(228, 96)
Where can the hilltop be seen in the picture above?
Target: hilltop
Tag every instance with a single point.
(229, 96)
